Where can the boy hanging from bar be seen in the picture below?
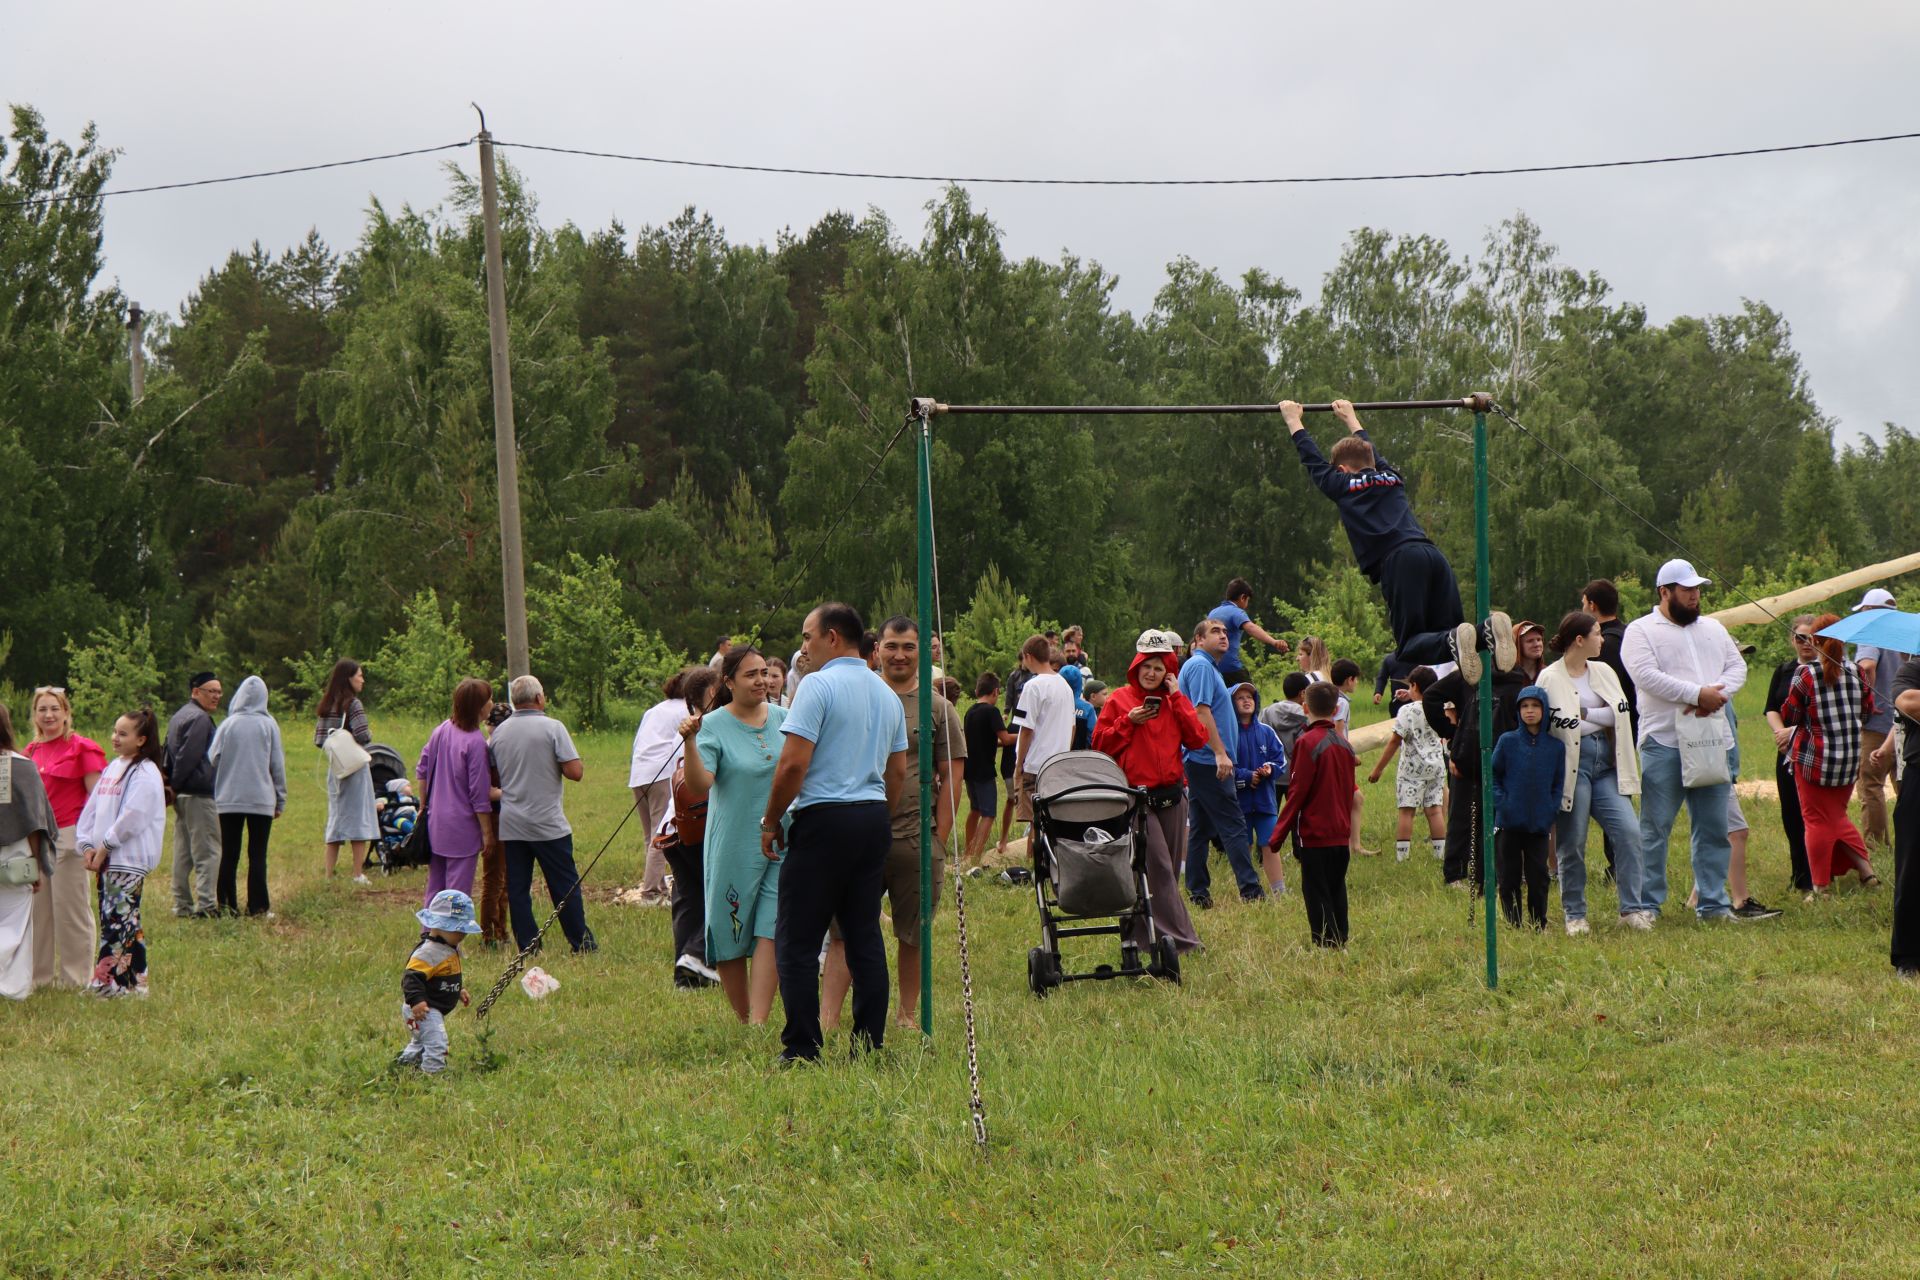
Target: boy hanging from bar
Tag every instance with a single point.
(1423, 597)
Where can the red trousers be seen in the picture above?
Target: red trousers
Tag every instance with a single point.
(1833, 842)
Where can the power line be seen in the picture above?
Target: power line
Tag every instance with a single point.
(1218, 182)
(238, 177)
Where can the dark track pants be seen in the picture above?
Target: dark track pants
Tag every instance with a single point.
(1423, 603)
(1323, 888)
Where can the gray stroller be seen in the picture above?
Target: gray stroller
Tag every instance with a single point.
(1089, 863)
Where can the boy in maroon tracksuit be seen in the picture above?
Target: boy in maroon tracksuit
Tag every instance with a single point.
(1320, 803)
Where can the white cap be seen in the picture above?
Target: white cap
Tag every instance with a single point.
(1679, 573)
(1153, 640)
(1878, 598)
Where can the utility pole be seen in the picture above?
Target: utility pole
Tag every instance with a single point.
(505, 451)
(137, 349)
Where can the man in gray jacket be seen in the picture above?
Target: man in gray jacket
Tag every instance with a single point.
(196, 824)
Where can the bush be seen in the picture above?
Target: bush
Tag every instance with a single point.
(419, 667)
(988, 636)
(586, 646)
(112, 673)
(1345, 611)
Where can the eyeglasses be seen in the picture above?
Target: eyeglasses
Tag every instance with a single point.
(1801, 637)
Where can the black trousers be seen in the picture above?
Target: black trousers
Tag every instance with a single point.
(258, 827)
(689, 900)
(1794, 825)
(834, 867)
(1906, 876)
(1463, 835)
(1522, 854)
(1323, 888)
(1423, 603)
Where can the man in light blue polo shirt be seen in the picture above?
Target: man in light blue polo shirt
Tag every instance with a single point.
(1213, 808)
(844, 762)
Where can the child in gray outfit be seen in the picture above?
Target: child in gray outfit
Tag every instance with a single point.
(431, 986)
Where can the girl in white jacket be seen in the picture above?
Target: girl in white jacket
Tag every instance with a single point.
(119, 834)
(1590, 714)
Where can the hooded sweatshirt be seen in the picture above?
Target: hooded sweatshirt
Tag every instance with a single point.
(126, 815)
(1288, 720)
(1084, 715)
(1373, 504)
(1528, 771)
(1257, 745)
(1148, 752)
(252, 776)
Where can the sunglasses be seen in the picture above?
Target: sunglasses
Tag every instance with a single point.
(1801, 637)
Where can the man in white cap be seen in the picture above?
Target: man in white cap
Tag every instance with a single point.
(1877, 668)
(1685, 670)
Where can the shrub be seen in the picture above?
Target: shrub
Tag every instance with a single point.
(988, 636)
(112, 673)
(1346, 611)
(586, 647)
(419, 667)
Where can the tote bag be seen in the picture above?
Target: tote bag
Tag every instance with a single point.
(1704, 742)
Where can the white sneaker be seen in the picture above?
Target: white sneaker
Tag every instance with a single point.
(1498, 629)
(1576, 928)
(362, 879)
(693, 964)
(1466, 652)
(1641, 920)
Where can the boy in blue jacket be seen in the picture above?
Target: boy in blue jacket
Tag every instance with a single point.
(1259, 762)
(1528, 773)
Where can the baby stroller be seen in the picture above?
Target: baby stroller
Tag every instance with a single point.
(1089, 862)
(394, 849)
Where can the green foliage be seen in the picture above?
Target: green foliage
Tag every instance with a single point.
(1346, 612)
(307, 679)
(585, 647)
(988, 636)
(419, 665)
(1771, 641)
(113, 673)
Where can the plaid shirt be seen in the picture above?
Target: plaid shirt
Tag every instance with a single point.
(1825, 748)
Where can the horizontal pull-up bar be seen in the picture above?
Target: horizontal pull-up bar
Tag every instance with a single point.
(923, 407)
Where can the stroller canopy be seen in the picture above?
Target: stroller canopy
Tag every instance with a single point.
(1082, 786)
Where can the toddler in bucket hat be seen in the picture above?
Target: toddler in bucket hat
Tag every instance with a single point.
(431, 986)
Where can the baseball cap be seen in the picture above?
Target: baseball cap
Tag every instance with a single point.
(1878, 598)
(1154, 640)
(1679, 573)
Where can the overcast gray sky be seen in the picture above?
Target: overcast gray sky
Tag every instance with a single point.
(192, 90)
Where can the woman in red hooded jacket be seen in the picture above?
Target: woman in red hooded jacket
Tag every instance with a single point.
(1143, 727)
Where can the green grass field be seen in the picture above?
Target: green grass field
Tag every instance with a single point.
(1703, 1100)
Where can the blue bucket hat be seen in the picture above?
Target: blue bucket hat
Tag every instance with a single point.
(451, 910)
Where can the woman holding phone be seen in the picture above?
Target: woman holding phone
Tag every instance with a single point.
(1143, 727)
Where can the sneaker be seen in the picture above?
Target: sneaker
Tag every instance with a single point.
(1754, 909)
(694, 964)
(1498, 633)
(140, 987)
(1203, 902)
(1252, 895)
(1641, 920)
(1577, 928)
(362, 879)
(1465, 653)
(688, 980)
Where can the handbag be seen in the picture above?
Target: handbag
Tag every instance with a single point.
(345, 757)
(1704, 742)
(416, 850)
(20, 869)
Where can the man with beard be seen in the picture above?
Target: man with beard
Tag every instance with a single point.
(1683, 665)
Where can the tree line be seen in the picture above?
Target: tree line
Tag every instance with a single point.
(314, 447)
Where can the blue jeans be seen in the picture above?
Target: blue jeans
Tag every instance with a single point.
(1596, 795)
(555, 858)
(1660, 798)
(1213, 814)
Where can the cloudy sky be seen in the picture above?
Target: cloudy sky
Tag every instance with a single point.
(192, 90)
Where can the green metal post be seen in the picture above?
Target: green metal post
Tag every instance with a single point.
(923, 501)
(1482, 606)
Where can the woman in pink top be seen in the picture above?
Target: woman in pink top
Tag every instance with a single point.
(455, 789)
(69, 765)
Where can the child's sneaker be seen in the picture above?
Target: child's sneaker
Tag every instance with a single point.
(1498, 632)
(1465, 652)
(1576, 928)
(140, 987)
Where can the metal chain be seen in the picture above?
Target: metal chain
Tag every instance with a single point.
(978, 1107)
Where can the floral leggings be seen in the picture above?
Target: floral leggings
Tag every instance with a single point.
(123, 948)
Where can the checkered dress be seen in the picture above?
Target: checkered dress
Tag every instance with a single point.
(1825, 748)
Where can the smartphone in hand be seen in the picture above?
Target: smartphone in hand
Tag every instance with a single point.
(1152, 704)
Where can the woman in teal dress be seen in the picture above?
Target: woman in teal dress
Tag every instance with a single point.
(731, 754)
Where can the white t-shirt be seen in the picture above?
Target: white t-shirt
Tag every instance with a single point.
(656, 744)
(1344, 716)
(1046, 707)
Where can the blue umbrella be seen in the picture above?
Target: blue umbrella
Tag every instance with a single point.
(1884, 628)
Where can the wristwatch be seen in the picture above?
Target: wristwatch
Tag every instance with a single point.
(767, 825)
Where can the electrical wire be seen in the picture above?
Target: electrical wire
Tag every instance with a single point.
(238, 177)
(1418, 176)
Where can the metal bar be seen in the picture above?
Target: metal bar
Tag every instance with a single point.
(1482, 604)
(1479, 402)
(923, 502)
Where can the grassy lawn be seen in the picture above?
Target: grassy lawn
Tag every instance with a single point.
(1726, 1099)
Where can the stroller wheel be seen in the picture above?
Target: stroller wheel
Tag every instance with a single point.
(1169, 960)
(1039, 972)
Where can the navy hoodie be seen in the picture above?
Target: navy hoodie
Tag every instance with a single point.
(1373, 504)
(1528, 773)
